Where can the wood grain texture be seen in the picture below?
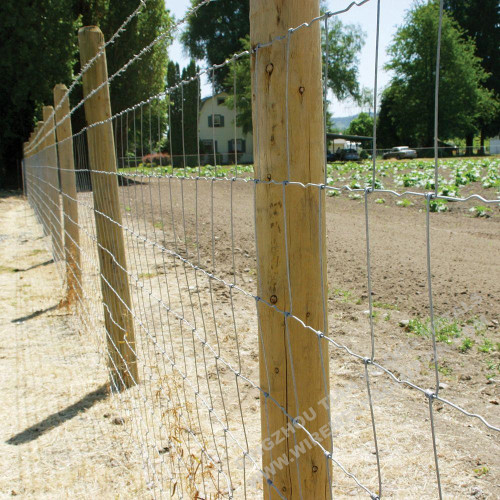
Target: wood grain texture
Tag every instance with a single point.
(290, 230)
(114, 278)
(51, 173)
(64, 135)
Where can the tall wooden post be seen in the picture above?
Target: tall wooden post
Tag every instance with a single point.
(26, 145)
(52, 182)
(69, 195)
(39, 174)
(290, 230)
(114, 277)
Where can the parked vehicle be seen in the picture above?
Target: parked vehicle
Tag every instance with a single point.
(331, 157)
(400, 153)
(348, 155)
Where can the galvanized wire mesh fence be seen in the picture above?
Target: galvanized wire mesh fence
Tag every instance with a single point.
(170, 275)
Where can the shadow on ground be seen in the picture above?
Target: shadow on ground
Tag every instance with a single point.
(34, 314)
(56, 419)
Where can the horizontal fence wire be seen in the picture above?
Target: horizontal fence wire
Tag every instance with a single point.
(198, 408)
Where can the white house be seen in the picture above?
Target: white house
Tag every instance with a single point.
(216, 126)
(495, 145)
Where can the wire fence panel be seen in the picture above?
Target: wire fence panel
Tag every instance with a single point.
(214, 294)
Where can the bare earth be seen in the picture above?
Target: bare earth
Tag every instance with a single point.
(48, 364)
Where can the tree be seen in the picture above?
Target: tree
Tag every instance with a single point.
(214, 33)
(146, 76)
(361, 125)
(191, 94)
(243, 90)
(481, 22)
(38, 50)
(413, 61)
(344, 45)
(174, 112)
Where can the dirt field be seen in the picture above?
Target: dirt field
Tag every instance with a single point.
(216, 220)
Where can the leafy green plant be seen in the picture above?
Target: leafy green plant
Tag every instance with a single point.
(480, 211)
(438, 206)
(466, 344)
(405, 202)
(481, 471)
(445, 370)
(444, 329)
(486, 346)
(380, 201)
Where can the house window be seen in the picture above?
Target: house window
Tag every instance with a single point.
(218, 120)
(207, 146)
(221, 101)
(240, 146)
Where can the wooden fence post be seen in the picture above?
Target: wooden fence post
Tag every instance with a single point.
(52, 180)
(64, 135)
(290, 231)
(114, 277)
(39, 173)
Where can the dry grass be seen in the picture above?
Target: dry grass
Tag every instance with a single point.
(158, 429)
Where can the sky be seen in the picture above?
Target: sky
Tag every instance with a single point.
(392, 14)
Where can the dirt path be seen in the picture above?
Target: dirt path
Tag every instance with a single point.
(57, 437)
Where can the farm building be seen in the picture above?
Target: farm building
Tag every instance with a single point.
(216, 125)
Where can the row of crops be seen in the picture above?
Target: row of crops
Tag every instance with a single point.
(457, 177)
(453, 174)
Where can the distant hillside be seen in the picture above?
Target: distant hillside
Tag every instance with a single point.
(342, 122)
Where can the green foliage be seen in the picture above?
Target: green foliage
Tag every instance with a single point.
(405, 202)
(408, 104)
(191, 93)
(174, 112)
(240, 70)
(214, 33)
(361, 125)
(146, 76)
(39, 49)
(183, 114)
(438, 205)
(344, 45)
(466, 344)
(486, 346)
(444, 329)
(481, 211)
(481, 22)
(345, 42)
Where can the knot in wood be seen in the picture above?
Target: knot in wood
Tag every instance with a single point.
(273, 299)
(269, 68)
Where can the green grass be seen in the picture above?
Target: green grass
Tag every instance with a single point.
(445, 329)
(466, 344)
(384, 305)
(344, 295)
(486, 346)
(405, 202)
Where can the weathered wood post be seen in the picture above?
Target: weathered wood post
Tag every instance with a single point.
(114, 277)
(290, 230)
(69, 195)
(51, 175)
(39, 174)
(26, 145)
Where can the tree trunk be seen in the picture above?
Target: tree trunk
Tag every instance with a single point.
(469, 139)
